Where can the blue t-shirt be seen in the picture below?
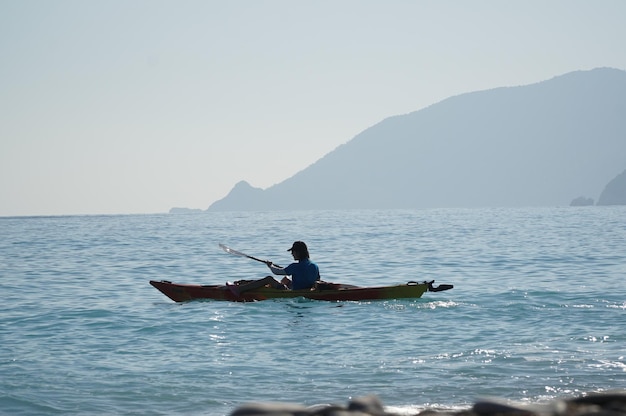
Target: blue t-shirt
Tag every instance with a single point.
(303, 274)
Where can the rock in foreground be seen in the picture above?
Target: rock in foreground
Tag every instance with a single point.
(592, 404)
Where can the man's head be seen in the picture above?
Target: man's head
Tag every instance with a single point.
(299, 250)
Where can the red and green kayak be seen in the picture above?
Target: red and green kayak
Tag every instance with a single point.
(179, 292)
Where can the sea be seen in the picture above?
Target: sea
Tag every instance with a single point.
(537, 312)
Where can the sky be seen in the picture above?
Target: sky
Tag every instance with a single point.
(138, 106)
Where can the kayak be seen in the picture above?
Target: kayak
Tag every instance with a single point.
(179, 292)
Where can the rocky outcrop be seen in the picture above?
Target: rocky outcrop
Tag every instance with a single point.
(593, 404)
(615, 191)
(581, 201)
(179, 210)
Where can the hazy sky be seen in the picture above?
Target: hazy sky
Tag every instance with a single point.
(137, 106)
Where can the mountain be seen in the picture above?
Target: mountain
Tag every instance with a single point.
(615, 191)
(242, 195)
(534, 145)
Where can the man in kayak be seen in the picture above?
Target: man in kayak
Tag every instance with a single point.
(304, 273)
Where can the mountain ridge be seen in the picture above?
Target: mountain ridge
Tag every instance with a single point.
(537, 144)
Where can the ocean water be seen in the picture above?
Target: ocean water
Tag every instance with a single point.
(538, 310)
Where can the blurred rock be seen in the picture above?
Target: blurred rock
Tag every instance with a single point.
(591, 404)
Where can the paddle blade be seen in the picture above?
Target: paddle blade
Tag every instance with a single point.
(239, 253)
(232, 251)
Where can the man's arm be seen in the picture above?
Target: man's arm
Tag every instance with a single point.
(276, 269)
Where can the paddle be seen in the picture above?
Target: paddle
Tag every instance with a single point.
(239, 253)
